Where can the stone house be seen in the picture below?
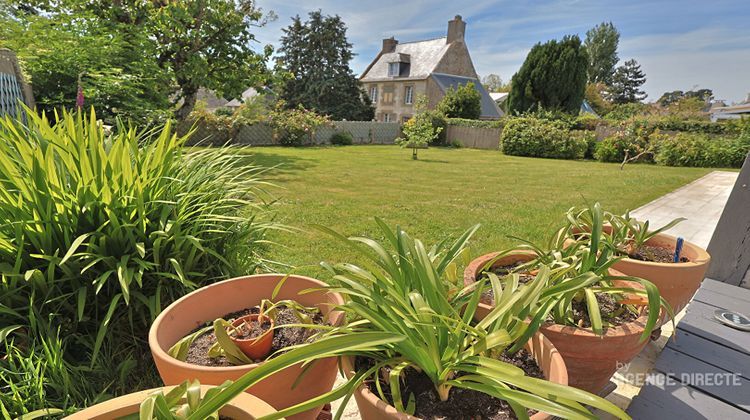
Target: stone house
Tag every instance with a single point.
(402, 71)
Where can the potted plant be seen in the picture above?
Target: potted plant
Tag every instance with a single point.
(191, 338)
(596, 316)
(651, 254)
(447, 363)
(175, 402)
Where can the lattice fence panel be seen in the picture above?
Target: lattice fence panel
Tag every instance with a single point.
(10, 95)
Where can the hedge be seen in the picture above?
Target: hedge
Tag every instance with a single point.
(699, 150)
(541, 138)
(475, 123)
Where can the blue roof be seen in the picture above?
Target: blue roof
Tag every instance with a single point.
(489, 107)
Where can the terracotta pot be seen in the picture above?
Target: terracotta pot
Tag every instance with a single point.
(254, 348)
(216, 300)
(592, 359)
(244, 406)
(373, 408)
(677, 282)
(474, 268)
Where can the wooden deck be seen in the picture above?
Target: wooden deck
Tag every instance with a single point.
(705, 372)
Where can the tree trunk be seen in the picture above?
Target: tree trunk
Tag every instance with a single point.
(188, 103)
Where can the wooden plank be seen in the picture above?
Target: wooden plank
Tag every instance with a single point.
(725, 289)
(667, 400)
(700, 320)
(711, 380)
(722, 301)
(728, 247)
(711, 352)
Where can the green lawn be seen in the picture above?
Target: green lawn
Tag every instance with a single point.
(443, 193)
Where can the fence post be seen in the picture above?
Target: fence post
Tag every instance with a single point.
(730, 244)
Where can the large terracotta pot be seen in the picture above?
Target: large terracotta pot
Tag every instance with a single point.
(373, 408)
(474, 268)
(216, 300)
(592, 359)
(677, 282)
(243, 406)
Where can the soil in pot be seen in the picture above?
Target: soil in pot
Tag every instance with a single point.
(461, 403)
(283, 337)
(501, 271)
(655, 253)
(613, 313)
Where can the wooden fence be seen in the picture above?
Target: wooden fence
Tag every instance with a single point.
(473, 137)
(262, 134)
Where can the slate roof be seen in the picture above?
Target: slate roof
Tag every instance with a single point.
(424, 56)
(489, 107)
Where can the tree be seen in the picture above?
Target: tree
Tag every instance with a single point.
(595, 94)
(461, 102)
(419, 130)
(553, 77)
(601, 44)
(627, 82)
(669, 98)
(57, 50)
(316, 54)
(493, 83)
(181, 46)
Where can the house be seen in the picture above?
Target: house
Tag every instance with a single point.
(734, 112)
(248, 95)
(402, 71)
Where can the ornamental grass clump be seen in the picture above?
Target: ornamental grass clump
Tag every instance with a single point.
(99, 232)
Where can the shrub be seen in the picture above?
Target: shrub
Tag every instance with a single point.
(296, 126)
(622, 112)
(342, 138)
(586, 122)
(419, 130)
(463, 101)
(224, 112)
(463, 122)
(589, 137)
(635, 140)
(539, 138)
(106, 230)
(700, 150)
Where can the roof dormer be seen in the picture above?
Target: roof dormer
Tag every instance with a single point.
(398, 64)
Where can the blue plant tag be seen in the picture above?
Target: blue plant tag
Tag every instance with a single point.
(678, 249)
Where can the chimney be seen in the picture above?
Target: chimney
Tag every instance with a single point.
(389, 45)
(456, 29)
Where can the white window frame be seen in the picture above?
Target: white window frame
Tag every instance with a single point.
(394, 69)
(374, 94)
(386, 117)
(409, 95)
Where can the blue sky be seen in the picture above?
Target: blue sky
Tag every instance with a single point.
(679, 44)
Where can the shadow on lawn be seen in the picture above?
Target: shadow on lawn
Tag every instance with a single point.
(280, 164)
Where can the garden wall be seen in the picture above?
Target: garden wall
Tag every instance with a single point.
(473, 137)
(262, 134)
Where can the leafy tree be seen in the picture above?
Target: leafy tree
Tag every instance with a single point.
(669, 98)
(56, 50)
(553, 77)
(627, 82)
(601, 44)
(595, 94)
(419, 131)
(181, 46)
(316, 54)
(461, 102)
(493, 83)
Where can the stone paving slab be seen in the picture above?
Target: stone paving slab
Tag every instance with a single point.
(700, 202)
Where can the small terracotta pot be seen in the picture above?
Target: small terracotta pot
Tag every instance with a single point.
(677, 282)
(475, 268)
(211, 302)
(243, 406)
(254, 348)
(373, 408)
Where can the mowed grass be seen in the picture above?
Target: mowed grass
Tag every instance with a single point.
(440, 195)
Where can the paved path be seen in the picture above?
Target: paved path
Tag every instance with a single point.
(701, 202)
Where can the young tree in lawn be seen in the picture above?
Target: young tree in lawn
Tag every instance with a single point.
(463, 101)
(627, 82)
(601, 44)
(553, 77)
(317, 54)
(419, 130)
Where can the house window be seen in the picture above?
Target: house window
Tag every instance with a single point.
(374, 94)
(386, 117)
(393, 69)
(409, 95)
